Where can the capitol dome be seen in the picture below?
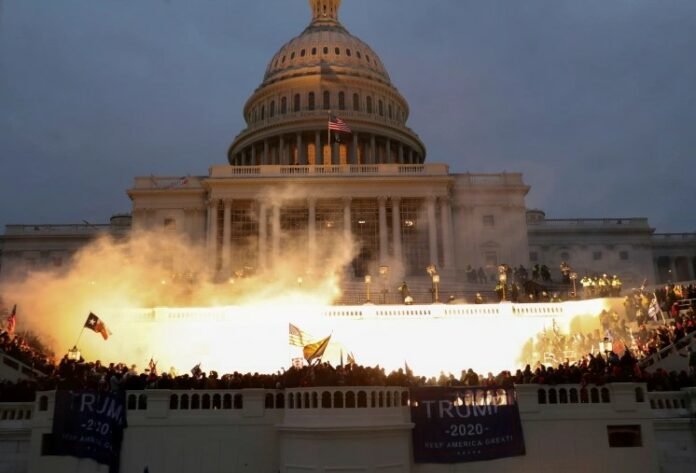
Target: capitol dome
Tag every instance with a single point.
(325, 72)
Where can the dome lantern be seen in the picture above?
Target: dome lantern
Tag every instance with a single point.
(325, 10)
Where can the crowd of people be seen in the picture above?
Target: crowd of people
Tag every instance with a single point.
(613, 353)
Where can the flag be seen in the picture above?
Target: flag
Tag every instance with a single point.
(316, 350)
(97, 325)
(12, 321)
(298, 338)
(338, 125)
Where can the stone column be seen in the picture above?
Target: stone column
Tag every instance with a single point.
(265, 152)
(213, 234)
(410, 157)
(263, 237)
(301, 153)
(383, 236)
(432, 230)
(319, 153)
(276, 233)
(226, 237)
(354, 151)
(253, 155)
(387, 148)
(312, 230)
(373, 150)
(282, 160)
(396, 227)
(401, 153)
(347, 230)
(447, 237)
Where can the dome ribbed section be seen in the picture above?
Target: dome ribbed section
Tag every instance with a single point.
(325, 46)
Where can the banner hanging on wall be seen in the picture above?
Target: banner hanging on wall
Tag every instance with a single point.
(89, 424)
(467, 424)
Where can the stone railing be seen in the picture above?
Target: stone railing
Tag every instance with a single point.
(673, 237)
(344, 170)
(669, 404)
(623, 397)
(75, 229)
(15, 412)
(168, 183)
(593, 222)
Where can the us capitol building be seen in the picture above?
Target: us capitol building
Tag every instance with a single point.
(287, 188)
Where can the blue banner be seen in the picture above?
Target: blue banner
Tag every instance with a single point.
(89, 424)
(466, 424)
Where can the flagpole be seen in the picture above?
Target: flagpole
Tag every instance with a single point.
(328, 126)
(79, 336)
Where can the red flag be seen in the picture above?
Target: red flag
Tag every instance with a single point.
(12, 321)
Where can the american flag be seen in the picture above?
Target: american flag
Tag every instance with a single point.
(336, 124)
(298, 338)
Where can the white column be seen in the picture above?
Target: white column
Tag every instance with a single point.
(447, 237)
(281, 152)
(213, 235)
(226, 236)
(263, 230)
(373, 150)
(432, 229)
(276, 233)
(312, 230)
(319, 153)
(347, 231)
(301, 153)
(396, 227)
(383, 236)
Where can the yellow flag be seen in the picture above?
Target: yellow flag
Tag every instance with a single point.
(316, 350)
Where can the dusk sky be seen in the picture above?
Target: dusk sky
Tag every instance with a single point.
(594, 101)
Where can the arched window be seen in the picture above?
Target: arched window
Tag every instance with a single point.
(341, 101)
(271, 111)
(326, 50)
(368, 104)
(310, 101)
(381, 108)
(263, 112)
(367, 56)
(357, 53)
(292, 56)
(296, 105)
(348, 52)
(302, 53)
(356, 102)
(283, 105)
(314, 51)
(337, 51)
(389, 111)
(327, 100)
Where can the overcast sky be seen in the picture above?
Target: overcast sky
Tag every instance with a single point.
(593, 100)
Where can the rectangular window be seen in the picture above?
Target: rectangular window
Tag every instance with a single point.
(491, 258)
(624, 436)
(623, 255)
(488, 221)
(597, 255)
